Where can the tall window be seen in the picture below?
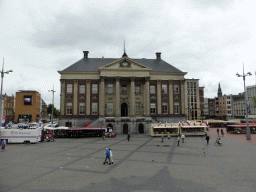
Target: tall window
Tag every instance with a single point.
(164, 108)
(137, 89)
(187, 84)
(110, 108)
(176, 108)
(176, 89)
(94, 108)
(110, 88)
(152, 89)
(94, 88)
(124, 88)
(137, 106)
(81, 108)
(69, 108)
(194, 91)
(152, 108)
(194, 84)
(164, 89)
(82, 89)
(69, 88)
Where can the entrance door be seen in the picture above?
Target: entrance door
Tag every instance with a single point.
(141, 128)
(124, 110)
(125, 129)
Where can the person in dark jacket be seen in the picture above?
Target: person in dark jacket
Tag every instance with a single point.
(207, 138)
(218, 131)
(107, 157)
(128, 136)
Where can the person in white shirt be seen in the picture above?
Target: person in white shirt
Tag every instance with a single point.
(111, 156)
(182, 138)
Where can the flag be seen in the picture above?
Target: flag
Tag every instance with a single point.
(201, 123)
(172, 123)
(188, 123)
(159, 123)
(207, 123)
(74, 124)
(165, 123)
(182, 123)
(3, 120)
(87, 124)
(40, 122)
(102, 123)
(195, 123)
(179, 123)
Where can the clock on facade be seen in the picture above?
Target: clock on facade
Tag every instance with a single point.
(124, 64)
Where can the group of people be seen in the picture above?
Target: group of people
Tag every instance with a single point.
(182, 138)
(109, 157)
(3, 144)
(218, 132)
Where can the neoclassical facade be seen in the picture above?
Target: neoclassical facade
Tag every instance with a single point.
(123, 93)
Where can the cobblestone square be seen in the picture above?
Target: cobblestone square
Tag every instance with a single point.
(143, 164)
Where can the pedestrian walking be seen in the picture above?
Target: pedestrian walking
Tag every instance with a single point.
(182, 138)
(218, 131)
(207, 138)
(162, 138)
(178, 140)
(103, 136)
(3, 143)
(168, 135)
(107, 157)
(128, 137)
(111, 156)
(222, 132)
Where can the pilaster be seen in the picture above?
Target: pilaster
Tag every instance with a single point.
(102, 97)
(62, 97)
(159, 97)
(117, 112)
(132, 96)
(182, 92)
(75, 96)
(147, 106)
(88, 97)
(171, 96)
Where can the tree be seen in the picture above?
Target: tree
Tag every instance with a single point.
(56, 113)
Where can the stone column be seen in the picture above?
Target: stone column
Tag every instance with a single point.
(147, 95)
(171, 96)
(62, 97)
(132, 97)
(75, 96)
(88, 97)
(182, 92)
(117, 114)
(159, 97)
(102, 96)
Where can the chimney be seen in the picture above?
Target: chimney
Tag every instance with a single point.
(86, 54)
(158, 55)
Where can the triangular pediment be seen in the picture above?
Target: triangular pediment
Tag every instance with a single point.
(124, 64)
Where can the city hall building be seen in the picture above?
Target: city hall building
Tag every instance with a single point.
(125, 94)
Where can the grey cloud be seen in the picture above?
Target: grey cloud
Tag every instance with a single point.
(94, 26)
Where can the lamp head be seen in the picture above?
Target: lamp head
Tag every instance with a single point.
(249, 73)
(10, 70)
(237, 74)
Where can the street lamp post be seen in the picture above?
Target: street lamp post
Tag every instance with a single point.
(248, 134)
(52, 100)
(2, 78)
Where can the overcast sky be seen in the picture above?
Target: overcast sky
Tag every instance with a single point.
(208, 39)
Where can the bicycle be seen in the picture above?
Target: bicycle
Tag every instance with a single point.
(218, 142)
